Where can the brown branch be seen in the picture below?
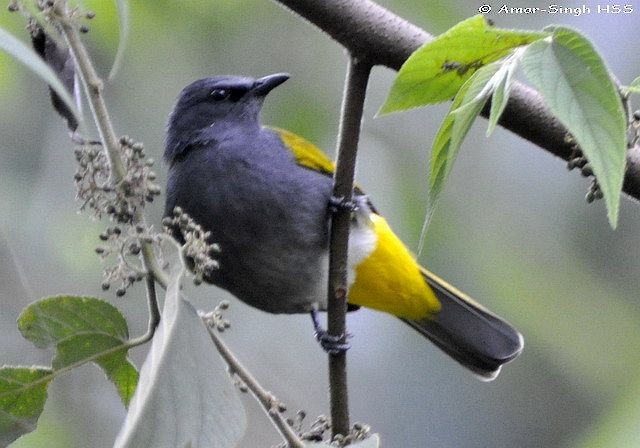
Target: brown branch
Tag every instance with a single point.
(373, 33)
(267, 400)
(350, 120)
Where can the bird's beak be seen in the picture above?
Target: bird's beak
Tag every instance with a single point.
(266, 84)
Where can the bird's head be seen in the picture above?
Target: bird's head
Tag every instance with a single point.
(216, 104)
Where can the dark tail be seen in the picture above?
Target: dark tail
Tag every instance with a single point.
(470, 334)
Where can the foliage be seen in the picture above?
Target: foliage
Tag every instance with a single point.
(560, 62)
(82, 329)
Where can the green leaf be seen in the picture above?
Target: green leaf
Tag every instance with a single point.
(577, 88)
(82, 329)
(23, 392)
(502, 81)
(123, 16)
(185, 397)
(435, 71)
(634, 87)
(27, 56)
(466, 106)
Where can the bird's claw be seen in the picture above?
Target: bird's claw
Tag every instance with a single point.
(333, 345)
(342, 203)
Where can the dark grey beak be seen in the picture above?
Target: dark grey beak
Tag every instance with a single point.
(266, 84)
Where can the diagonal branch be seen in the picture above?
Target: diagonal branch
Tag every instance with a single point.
(373, 33)
(93, 87)
(267, 400)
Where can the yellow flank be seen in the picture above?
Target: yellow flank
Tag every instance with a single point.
(306, 153)
(390, 279)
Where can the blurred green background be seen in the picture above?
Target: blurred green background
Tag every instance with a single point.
(512, 230)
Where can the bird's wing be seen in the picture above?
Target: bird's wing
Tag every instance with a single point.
(310, 156)
(306, 153)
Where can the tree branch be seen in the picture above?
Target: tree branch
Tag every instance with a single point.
(348, 135)
(373, 33)
(269, 402)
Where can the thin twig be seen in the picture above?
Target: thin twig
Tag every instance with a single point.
(266, 399)
(93, 87)
(348, 134)
(154, 314)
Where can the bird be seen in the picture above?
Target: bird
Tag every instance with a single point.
(264, 195)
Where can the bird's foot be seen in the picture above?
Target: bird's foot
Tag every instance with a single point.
(332, 344)
(342, 203)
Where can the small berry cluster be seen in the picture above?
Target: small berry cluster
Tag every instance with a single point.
(197, 249)
(123, 244)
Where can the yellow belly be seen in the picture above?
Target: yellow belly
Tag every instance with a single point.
(389, 278)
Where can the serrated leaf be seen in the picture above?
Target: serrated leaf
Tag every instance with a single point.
(373, 441)
(27, 56)
(502, 83)
(578, 89)
(23, 392)
(466, 106)
(435, 71)
(82, 329)
(634, 87)
(123, 18)
(185, 397)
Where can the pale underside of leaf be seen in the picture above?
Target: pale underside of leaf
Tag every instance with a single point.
(123, 16)
(634, 87)
(466, 106)
(578, 89)
(185, 396)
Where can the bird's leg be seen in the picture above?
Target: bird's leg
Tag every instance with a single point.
(329, 343)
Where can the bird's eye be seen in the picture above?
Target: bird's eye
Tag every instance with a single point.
(220, 94)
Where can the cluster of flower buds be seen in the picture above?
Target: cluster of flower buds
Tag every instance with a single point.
(93, 191)
(359, 432)
(124, 245)
(197, 249)
(316, 430)
(97, 193)
(137, 186)
(215, 319)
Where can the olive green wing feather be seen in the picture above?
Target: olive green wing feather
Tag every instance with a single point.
(306, 153)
